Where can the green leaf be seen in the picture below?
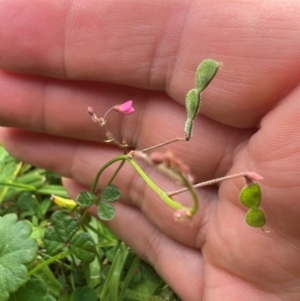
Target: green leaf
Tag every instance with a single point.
(16, 251)
(57, 190)
(112, 282)
(106, 211)
(33, 178)
(53, 242)
(111, 253)
(167, 294)
(250, 195)
(8, 168)
(192, 103)
(255, 218)
(45, 205)
(155, 298)
(188, 129)
(49, 298)
(149, 273)
(46, 275)
(86, 199)
(84, 293)
(8, 165)
(147, 286)
(33, 290)
(27, 203)
(83, 247)
(205, 73)
(93, 271)
(64, 224)
(110, 193)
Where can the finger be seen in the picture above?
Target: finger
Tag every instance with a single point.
(273, 152)
(276, 152)
(129, 46)
(234, 248)
(82, 160)
(174, 262)
(59, 107)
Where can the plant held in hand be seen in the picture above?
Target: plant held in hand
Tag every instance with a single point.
(171, 166)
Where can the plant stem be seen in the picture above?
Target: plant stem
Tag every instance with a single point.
(48, 262)
(18, 185)
(107, 112)
(192, 191)
(117, 170)
(100, 234)
(163, 195)
(110, 162)
(128, 277)
(75, 267)
(162, 144)
(210, 182)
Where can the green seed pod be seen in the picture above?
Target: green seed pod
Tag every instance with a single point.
(192, 103)
(205, 73)
(188, 129)
(250, 195)
(255, 218)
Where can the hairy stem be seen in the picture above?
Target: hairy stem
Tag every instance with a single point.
(193, 192)
(210, 182)
(162, 144)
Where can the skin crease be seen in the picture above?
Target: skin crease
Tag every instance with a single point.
(59, 57)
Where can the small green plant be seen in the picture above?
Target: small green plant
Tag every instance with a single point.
(51, 254)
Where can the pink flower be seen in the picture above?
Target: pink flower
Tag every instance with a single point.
(125, 108)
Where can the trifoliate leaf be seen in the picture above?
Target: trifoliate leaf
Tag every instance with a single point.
(255, 218)
(84, 293)
(16, 251)
(83, 247)
(110, 193)
(64, 224)
(250, 195)
(106, 211)
(53, 242)
(33, 290)
(86, 199)
(205, 73)
(192, 103)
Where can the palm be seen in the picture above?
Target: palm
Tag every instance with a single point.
(248, 123)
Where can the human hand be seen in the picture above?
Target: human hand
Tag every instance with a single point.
(100, 54)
